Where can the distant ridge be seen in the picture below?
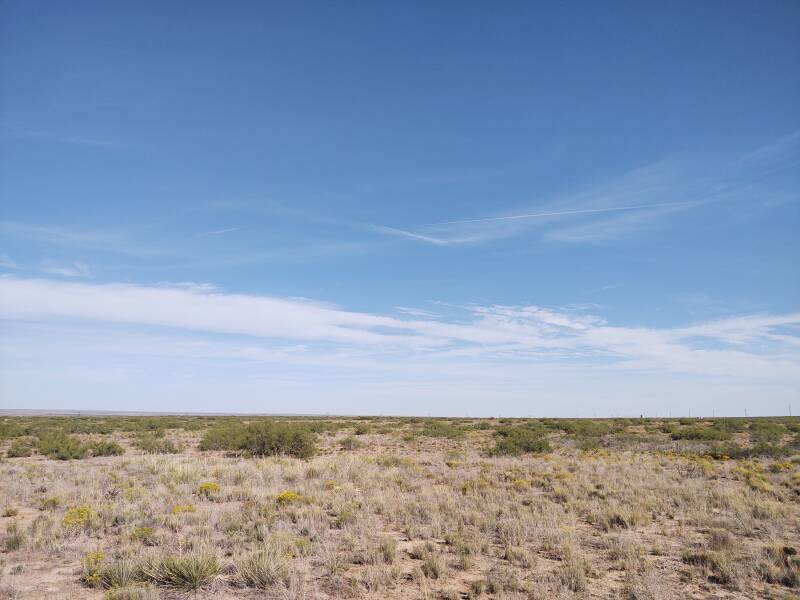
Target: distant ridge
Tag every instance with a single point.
(34, 412)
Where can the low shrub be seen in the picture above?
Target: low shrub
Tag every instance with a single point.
(180, 509)
(350, 443)
(145, 535)
(346, 516)
(19, 449)
(51, 502)
(92, 567)
(289, 497)
(151, 443)
(781, 564)
(717, 565)
(517, 440)
(226, 436)
(762, 450)
(106, 448)
(584, 429)
(766, 432)
(61, 446)
(262, 438)
(700, 432)
(208, 489)
(79, 518)
(442, 429)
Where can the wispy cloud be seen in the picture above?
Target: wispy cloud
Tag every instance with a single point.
(59, 235)
(566, 212)
(779, 151)
(59, 138)
(6, 262)
(629, 203)
(764, 346)
(416, 312)
(107, 240)
(73, 269)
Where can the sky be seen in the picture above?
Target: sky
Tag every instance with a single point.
(448, 208)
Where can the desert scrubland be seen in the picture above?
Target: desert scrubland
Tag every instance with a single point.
(162, 507)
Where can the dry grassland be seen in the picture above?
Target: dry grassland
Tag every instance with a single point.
(406, 509)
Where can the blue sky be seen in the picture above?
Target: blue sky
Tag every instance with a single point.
(386, 208)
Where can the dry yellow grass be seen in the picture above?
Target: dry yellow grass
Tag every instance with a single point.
(395, 517)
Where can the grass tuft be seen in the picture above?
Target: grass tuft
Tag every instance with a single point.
(187, 572)
(263, 568)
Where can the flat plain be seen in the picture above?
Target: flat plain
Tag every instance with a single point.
(146, 507)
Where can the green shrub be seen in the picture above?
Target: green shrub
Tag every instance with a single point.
(19, 449)
(766, 432)
(145, 535)
(442, 429)
(10, 429)
(584, 429)
(106, 448)
(730, 425)
(350, 443)
(61, 446)
(227, 436)
(269, 438)
(152, 443)
(51, 503)
(262, 438)
(518, 440)
(589, 443)
(700, 432)
(759, 450)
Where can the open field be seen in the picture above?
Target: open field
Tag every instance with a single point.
(160, 507)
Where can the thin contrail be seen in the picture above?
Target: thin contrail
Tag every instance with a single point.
(564, 212)
(216, 232)
(410, 234)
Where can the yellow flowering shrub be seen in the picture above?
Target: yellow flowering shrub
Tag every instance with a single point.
(92, 568)
(79, 517)
(289, 497)
(208, 489)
